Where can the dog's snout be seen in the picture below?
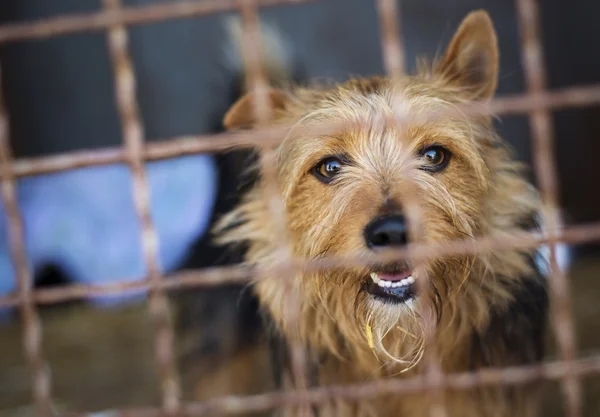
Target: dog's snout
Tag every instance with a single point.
(386, 231)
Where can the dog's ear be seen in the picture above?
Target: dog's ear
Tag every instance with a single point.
(471, 59)
(242, 114)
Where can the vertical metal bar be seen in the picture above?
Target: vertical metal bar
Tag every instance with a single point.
(394, 57)
(544, 164)
(392, 41)
(31, 323)
(133, 134)
(257, 83)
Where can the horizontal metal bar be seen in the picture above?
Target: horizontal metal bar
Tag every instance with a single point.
(241, 273)
(133, 15)
(398, 386)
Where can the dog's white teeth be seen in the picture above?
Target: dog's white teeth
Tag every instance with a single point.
(407, 281)
(391, 284)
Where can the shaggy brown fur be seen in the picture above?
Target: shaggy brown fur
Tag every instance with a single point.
(490, 307)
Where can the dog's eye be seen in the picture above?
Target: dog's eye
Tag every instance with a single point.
(327, 169)
(435, 158)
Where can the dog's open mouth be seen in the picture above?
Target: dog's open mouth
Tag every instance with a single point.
(392, 287)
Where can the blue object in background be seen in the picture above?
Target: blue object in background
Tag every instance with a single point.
(84, 222)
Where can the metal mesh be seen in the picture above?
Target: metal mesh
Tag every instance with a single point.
(538, 103)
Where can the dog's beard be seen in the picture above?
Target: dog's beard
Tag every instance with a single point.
(394, 332)
(397, 333)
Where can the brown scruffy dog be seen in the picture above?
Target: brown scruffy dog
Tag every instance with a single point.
(346, 193)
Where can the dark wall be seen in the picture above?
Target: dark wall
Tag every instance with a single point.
(59, 90)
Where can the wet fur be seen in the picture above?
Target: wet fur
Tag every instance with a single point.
(490, 307)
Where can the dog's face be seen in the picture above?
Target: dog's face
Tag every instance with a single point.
(350, 191)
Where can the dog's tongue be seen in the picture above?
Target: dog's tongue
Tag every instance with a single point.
(395, 277)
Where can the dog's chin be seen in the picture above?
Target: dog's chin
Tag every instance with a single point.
(391, 285)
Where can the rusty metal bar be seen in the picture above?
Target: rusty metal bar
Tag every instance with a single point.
(258, 86)
(240, 273)
(543, 153)
(133, 135)
(133, 15)
(372, 389)
(271, 136)
(394, 59)
(257, 82)
(31, 324)
(392, 42)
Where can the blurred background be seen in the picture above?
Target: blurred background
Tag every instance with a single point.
(81, 227)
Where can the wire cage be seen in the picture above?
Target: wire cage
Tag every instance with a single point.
(537, 103)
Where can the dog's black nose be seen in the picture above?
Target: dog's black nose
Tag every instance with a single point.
(386, 231)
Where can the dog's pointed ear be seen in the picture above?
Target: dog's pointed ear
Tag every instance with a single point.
(471, 59)
(242, 114)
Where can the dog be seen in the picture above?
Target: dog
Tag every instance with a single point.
(349, 192)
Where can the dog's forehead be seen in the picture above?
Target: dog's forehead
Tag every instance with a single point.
(398, 114)
(407, 102)
(380, 121)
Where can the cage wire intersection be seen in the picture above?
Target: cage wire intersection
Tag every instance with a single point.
(113, 18)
